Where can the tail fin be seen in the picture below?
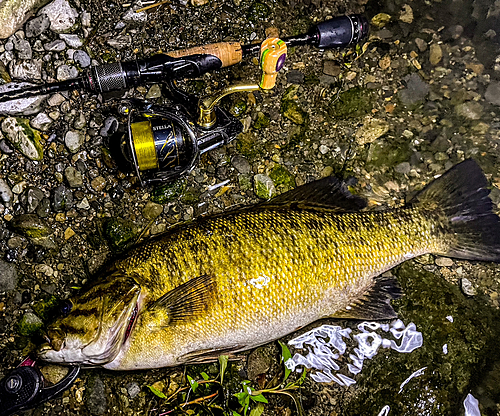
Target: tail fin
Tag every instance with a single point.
(462, 194)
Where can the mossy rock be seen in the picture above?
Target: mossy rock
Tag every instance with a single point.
(238, 108)
(120, 232)
(282, 178)
(169, 192)
(262, 121)
(29, 325)
(355, 102)
(46, 308)
(191, 196)
(249, 147)
(293, 112)
(389, 155)
(31, 226)
(258, 12)
(471, 339)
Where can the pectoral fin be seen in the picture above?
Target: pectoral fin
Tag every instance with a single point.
(189, 300)
(375, 304)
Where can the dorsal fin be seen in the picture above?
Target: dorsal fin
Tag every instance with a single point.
(189, 300)
(375, 304)
(329, 193)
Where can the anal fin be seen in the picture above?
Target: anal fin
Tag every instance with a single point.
(374, 304)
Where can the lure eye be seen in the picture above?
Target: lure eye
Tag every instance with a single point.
(66, 308)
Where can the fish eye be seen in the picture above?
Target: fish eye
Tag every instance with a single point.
(66, 307)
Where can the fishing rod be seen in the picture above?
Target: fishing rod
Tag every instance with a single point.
(339, 32)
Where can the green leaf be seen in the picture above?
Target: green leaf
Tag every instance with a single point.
(257, 411)
(157, 392)
(205, 376)
(243, 398)
(259, 398)
(193, 383)
(223, 365)
(285, 356)
(236, 413)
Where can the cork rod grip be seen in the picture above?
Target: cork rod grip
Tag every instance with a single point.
(230, 53)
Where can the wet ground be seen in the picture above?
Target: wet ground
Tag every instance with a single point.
(420, 96)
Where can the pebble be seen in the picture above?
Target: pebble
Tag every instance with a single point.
(403, 168)
(35, 27)
(416, 90)
(435, 54)
(82, 58)
(120, 42)
(56, 99)
(444, 262)
(74, 177)
(62, 199)
(96, 401)
(61, 15)
(421, 44)
(471, 110)
(55, 46)
(26, 70)
(8, 276)
(23, 137)
(80, 122)
(98, 183)
(41, 122)
(74, 140)
(406, 14)
(65, 72)
(133, 389)
(331, 68)
(371, 130)
(30, 225)
(323, 149)
(263, 186)
(109, 127)
(83, 204)
(73, 41)
(492, 94)
(467, 287)
(31, 198)
(241, 164)
(68, 233)
(23, 106)
(152, 210)
(131, 16)
(154, 92)
(5, 192)
(23, 48)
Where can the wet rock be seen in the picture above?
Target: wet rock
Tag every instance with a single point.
(80, 122)
(120, 42)
(241, 164)
(282, 178)
(467, 287)
(5, 192)
(154, 92)
(74, 140)
(96, 402)
(259, 362)
(331, 68)
(293, 112)
(406, 14)
(98, 184)
(403, 168)
(22, 47)
(29, 324)
(74, 177)
(23, 137)
(169, 192)
(82, 58)
(56, 99)
(62, 199)
(416, 90)
(471, 110)
(133, 389)
(35, 27)
(31, 198)
(8, 276)
(453, 33)
(31, 226)
(61, 15)
(355, 102)
(380, 20)
(43, 208)
(152, 210)
(55, 46)
(371, 130)
(65, 72)
(26, 70)
(421, 44)
(73, 41)
(14, 14)
(41, 122)
(24, 106)
(132, 16)
(263, 186)
(492, 94)
(435, 54)
(295, 77)
(444, 262)
(119, 232)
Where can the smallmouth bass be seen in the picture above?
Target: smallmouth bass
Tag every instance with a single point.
(230, 282)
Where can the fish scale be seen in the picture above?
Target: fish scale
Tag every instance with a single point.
(230, 282)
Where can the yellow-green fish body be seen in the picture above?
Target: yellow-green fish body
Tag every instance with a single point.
(231, 282)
